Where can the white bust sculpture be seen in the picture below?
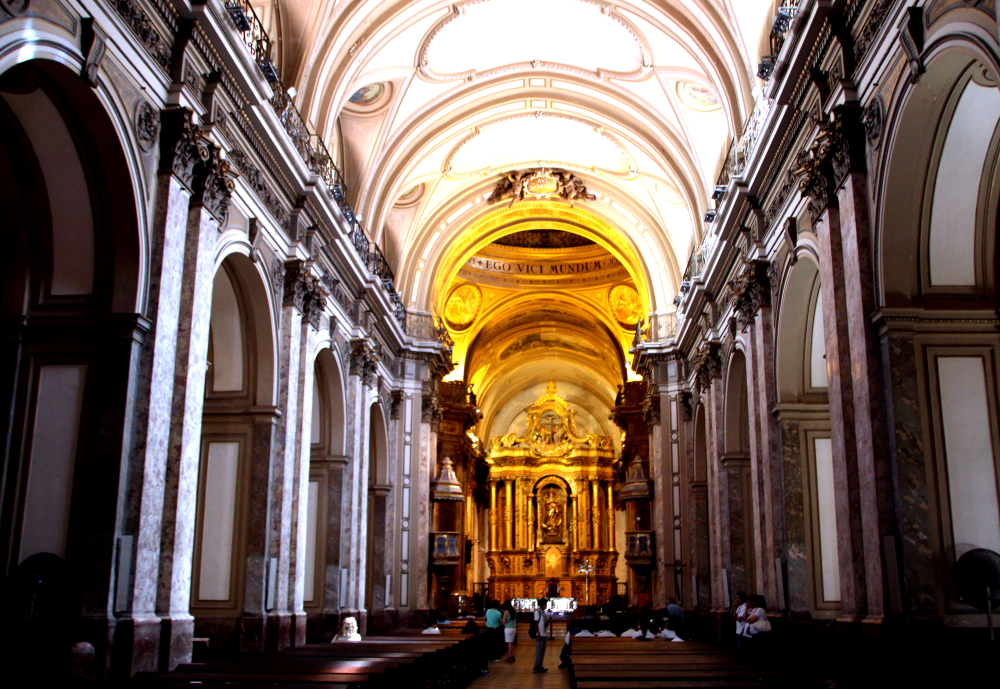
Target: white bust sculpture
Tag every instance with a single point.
(348, 630)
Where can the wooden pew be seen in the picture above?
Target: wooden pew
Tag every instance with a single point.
(418, 662)
(606, 663)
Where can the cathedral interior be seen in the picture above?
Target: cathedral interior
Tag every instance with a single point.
(385, 309)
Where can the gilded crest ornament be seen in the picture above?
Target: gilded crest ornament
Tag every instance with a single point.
(540, 184)
(625, 304)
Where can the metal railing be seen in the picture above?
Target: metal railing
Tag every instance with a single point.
(254, 35)
(312, 149)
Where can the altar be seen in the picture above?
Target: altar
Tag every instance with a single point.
(552, 520)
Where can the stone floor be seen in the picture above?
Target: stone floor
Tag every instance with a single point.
(518, 675)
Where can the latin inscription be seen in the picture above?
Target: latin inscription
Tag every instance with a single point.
(570, 268)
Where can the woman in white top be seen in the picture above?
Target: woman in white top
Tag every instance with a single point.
(757, 622)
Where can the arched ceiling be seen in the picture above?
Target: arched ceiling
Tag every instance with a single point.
(428, 105)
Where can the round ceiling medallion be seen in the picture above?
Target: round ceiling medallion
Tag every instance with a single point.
(367, 95)
(463, 305)
(625, 304)
(698, 96)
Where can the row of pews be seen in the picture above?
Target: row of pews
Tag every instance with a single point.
(416, 662)
(622, 663)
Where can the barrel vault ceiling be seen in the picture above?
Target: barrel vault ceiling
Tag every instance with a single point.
(428, 104)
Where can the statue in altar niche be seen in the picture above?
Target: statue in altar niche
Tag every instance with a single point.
(550, 510)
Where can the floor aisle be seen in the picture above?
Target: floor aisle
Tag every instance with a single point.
(518, 675)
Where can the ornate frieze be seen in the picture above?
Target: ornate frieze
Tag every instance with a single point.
(255, 179)
(141, 27)
(364, 361)
(869, 32)
(338, 292)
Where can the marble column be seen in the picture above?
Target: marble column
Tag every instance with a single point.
(876, 485)
(430, 418)
(180, 152)
(850, 542)
(718, 508)
(364, 363)
(313, 308)
(184, 453)
(759, 495)
(659, 474)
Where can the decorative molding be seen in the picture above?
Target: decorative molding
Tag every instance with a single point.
(143, 29)
(651, 408)
(425, 71)
(364, 361)
(600, 130)
(749, 290)
(256, 180)
(338, 292)
(395, 402)
(707, 364)
(215, 185)
(94, 46)
(183, 146)
(146, 123)
(541, 183)
(873, 119)
(873, 25)
(15, 8)
(304, 291)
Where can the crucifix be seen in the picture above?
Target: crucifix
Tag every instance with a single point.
(586, 569)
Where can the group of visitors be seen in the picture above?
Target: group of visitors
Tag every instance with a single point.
(638, 623)
(752, 626)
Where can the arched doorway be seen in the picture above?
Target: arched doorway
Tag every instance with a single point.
(938, 262)
(230, 542)
(69, 279)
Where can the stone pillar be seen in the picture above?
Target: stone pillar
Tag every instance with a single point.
(713, 399)
(659, 474)
(877, 485)
(430, 418)
(354, 532)
(313, 303)
(840, 389)
(575, 537)
(182, 151)
(833, 176)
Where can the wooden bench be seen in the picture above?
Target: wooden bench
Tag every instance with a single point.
(606, 663)
(418, 662)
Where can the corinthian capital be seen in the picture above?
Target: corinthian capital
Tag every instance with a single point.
(183, 146)
(749, 290)
(364, 361)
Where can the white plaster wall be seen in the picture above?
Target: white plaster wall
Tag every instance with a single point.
(53, 460)
(952, 254)
(309, 590)
(972, 479)
(823, 449)
(227, 337)
(219, 521)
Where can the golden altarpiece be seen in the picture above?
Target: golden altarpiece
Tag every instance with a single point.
(552, 519)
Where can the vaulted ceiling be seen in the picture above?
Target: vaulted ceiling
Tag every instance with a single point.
(429, 103)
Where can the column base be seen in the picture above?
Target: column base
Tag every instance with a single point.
(298, 628)
(278, 631)
(135, 646)
(176, 641)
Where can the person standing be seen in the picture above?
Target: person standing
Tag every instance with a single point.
(542, 634)
(495, 636)
(739, 614)
(509, 629)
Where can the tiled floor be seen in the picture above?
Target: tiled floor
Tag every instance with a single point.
(518, 675)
